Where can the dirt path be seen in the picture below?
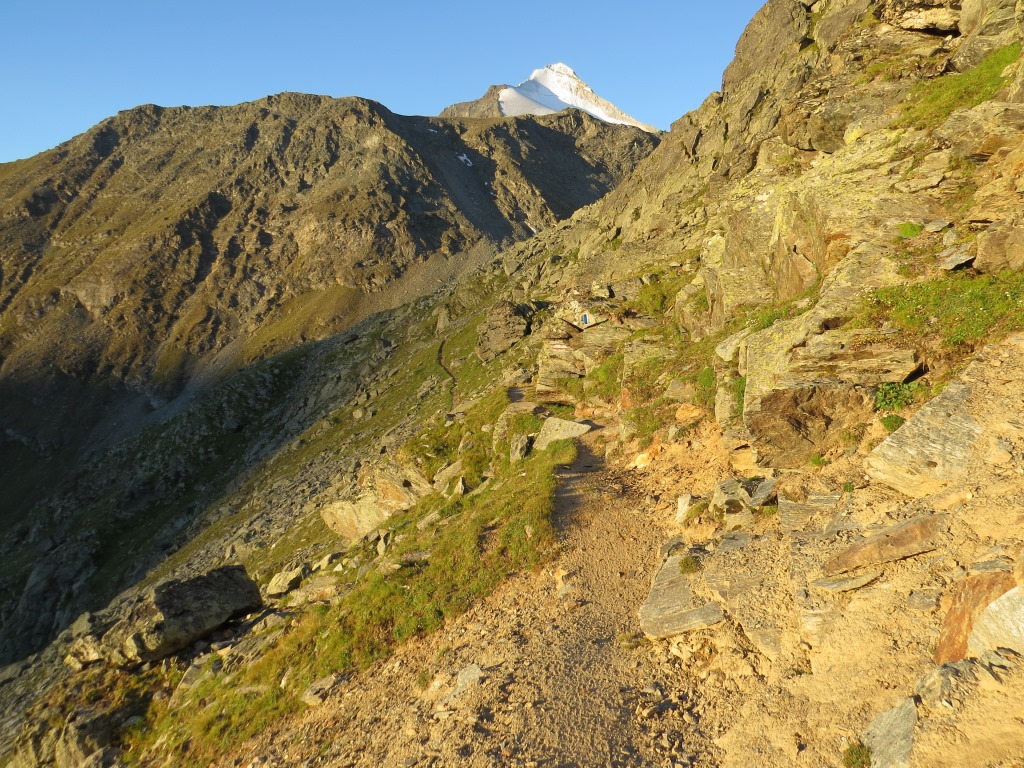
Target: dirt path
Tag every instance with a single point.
(548, 671)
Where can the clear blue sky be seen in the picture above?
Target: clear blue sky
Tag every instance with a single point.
(67, 64)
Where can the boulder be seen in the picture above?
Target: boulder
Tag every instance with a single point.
(505, 325)
(671, 608)
(970, 599)
(383, 491)
(909, 538)
(1001, 247)
(519, 448)
(558, 429)
(931, 450)
(890, 737)
(285, 581)
(1001, 625)
(174, 614)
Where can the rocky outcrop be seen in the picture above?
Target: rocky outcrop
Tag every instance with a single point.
(505, 325)
(382, 490)
(169, 617)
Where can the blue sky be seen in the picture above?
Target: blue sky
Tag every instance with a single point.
(68, 65)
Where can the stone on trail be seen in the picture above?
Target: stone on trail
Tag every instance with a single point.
(555, 429)
(671, 608)
(890, 737)
(931, 450)
(898, 542)
(1000, 626)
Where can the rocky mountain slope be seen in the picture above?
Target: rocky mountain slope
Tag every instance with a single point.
(788, 348)
(167, 248)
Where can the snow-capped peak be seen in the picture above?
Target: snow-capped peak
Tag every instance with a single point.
(556, 87)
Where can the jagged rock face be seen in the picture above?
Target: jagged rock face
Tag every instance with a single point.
(162, 235)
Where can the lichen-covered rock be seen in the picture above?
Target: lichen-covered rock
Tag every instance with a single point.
(555, 429)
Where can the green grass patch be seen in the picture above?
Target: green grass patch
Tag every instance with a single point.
(739, 391)
(960, 309)
(689, 565)
(857, 756)
(895, 396)
(931, 102)
(892, 422)
(707, 387)
(605, 381)
(908, 230)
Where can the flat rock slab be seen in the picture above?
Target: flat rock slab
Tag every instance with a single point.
(970, 599)
(891, 736)
(846, 583)
(559, 429)
(932, 449)
(1000, 626)
(907, 539)
(671, 607)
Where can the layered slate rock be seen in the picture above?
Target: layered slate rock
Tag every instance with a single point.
(931, 450)
(672, 609)
(174, 614)
(909, 538)
(891, 736)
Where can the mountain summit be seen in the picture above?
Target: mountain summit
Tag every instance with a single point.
(548, 90)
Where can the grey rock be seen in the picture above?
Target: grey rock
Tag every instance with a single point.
(468, 677)
(1001, 625)
(174, 614)
(519, 448)
(318, 691)
(504, 326)
(891, 736)
(444, 477)
(931, 450)
(555, 428)
(285, 581)
(671, 607)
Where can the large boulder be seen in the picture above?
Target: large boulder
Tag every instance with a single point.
(383, 490)
(931, 450)
(505, 325)
(174, 614)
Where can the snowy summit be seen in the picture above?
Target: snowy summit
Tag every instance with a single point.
(556, 87)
